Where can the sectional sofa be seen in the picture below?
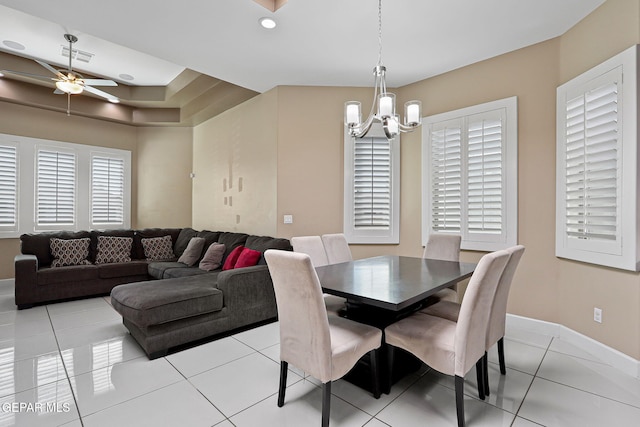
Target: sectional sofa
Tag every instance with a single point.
(164, 302)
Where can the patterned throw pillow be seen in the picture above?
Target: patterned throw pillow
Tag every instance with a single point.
(112, 249)
(158, 248)
(69, 251)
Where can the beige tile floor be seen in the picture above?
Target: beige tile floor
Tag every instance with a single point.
(78, 362)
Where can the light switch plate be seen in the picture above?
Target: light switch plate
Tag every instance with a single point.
(288, 219)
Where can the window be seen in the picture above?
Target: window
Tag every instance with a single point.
(51, 185)
(372, 185)
(107, 190)
(8, 188)
(55, 189)
(469, 175)
(597, 165)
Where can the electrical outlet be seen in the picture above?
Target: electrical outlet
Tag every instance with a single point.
(597, 314)
(288, 219)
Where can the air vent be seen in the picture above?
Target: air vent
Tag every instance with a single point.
(78, 55)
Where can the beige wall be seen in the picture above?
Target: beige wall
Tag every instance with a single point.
(165, 157)
(547, 288)
(151, 203)
(235, 166)
(614, 27)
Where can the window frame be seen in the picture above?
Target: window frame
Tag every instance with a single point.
(623, 253)
(391, 234)
(27, 154)
(508, 110)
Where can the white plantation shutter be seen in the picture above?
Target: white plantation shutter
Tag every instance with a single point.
(469, 175)
(107, 190)
(8, 187)
(55, 188)
(597, 180)
(446, 175)
(592, 153)
(485, 139)
(371, 188)
(372, 183)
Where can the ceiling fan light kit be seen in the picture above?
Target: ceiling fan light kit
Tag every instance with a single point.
(383, 109)
(70, 82)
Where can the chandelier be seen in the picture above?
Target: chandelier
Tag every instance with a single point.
(383, 109)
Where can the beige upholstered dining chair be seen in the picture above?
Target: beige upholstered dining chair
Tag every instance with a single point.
(444, 247)
(314, 247)
(337, 248)
(454, 347)
(326, 347)
(496, 330)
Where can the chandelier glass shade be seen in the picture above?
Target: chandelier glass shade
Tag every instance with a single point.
(383, 109)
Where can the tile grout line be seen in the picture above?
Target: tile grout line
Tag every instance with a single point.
(535, 375)
(64, 365)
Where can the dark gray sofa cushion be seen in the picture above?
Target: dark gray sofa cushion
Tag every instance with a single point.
(123, 269)
(75, 273)
(183, 240)
(187, 272)
(231, 241)
(262, 243)
(157, 302)
(156, 269)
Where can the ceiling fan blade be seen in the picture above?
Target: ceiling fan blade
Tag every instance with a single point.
(99, 82)
(98, 92)
(33, 76)
(53, 70)
(58, 92)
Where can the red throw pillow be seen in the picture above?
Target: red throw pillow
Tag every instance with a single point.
(231, 260)
(248, 258)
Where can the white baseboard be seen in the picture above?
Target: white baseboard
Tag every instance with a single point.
(611, 356)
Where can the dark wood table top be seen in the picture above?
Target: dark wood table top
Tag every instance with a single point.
(391, 282)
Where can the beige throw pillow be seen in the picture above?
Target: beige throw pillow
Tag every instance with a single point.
(192, 253)
(213, 257)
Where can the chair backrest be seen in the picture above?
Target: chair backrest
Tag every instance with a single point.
(442, 246)
(337, 248)
(499, 309)
(312, 246)
(475, 310)
(305, 341)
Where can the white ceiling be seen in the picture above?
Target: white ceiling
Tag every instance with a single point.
(316, 42)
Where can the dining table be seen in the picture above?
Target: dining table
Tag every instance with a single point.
(383, 289)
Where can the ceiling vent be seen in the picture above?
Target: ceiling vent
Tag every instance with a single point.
(78, 55)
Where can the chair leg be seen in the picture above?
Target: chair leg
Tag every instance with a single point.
(459, 385)
(485, 371)
(326, 403)
(503, 367)
(480, 377)
(284, 367)
(375, 372)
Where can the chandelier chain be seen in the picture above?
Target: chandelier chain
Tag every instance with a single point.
(379, 32)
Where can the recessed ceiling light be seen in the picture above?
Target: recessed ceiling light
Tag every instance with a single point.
(126, 76)
(13, 45)
(267, 23)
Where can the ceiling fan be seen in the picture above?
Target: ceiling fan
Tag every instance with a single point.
(69, 81)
